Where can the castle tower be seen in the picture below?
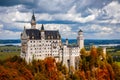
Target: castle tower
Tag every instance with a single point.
(80, 39)
(42, 32)
(66, 42)
(24, 39)
(33, 22)
(104, 52)
(24, 35)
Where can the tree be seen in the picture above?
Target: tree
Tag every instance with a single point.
(93, 52)
(93, 55)
(62, 68)
(51, 69)
(83, 52)
(110, 71)
(109, 59)
(116, 70)
(100, 51)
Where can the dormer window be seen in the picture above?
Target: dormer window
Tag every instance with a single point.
(57, 37)
(51, 37)
(48, 37)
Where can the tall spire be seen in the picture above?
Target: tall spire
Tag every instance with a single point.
(33, 16)
(42, 28)
(33, 21)
(24, 35)
(80, 30)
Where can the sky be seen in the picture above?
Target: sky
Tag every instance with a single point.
(99, 19)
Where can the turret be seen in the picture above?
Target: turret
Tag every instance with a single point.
(24, 39)
(24, 35)
(80, 39)
(66, 42)
(33, 22)
(42, 32)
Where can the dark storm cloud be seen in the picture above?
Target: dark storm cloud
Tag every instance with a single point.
(15, 2)
(56, 22)
(54, 6)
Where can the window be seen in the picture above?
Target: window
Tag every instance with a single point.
(52, 37)
(58, 37)
(48, 37)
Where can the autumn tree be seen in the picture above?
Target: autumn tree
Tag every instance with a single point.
(116, 69)
(51, 69)
(62, 68)
(94, 57)
(83, 52)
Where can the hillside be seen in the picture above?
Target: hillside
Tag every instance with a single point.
(90, 67)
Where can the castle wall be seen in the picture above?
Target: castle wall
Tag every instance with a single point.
(38, 44)
(40, 49)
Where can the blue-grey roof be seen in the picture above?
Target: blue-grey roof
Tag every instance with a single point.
(33, 33)
(36, 34)
(52, 35)
(80, 30)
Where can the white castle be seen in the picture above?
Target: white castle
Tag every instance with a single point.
(39, 44)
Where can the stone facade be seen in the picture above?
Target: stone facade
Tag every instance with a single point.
(39, 44)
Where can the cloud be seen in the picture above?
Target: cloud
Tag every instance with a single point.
(97, 18)
(113, 11)
(15, 2)
(54, 6)
(100, 32)
(109, 14)
(71, 15)
(7, 34)
(97, 29)
(1, 26)
(65, 30)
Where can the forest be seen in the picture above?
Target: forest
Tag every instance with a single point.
(93, 65)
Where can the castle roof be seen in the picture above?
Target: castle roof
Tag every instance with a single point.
(80, 30)
(33, 17)
(52, 34)
(36, 34)
(42, 28)
(33, 33)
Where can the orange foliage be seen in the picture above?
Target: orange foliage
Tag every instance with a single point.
(51, 68)
(93, 52)
(14, 71)
(15, 68)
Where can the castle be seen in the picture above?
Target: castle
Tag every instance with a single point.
(39, 44)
